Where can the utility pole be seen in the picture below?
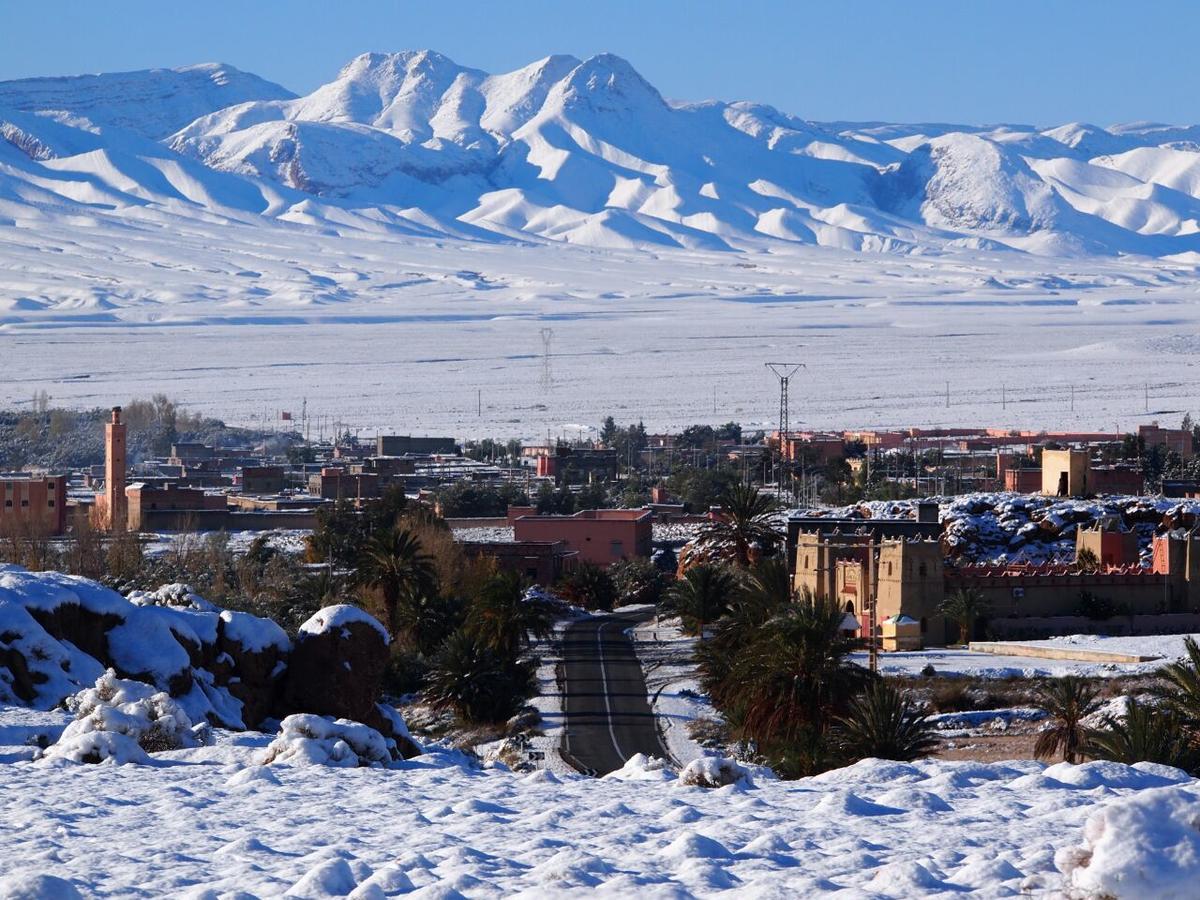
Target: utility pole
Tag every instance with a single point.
(1072, 398)
(547, 381)
(479, 403)
(1147, 396)
(947, 395)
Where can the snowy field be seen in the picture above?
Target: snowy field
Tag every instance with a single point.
(380, 332)
(209, 822)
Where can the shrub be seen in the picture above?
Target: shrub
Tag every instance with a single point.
(588, 586)
(478, 683)
(884, 723)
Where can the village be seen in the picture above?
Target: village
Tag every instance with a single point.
(541, 510)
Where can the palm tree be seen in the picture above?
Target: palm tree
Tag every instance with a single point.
(1181, 691)
(794, 675)
(476, 682)
(965, 607)
(503, 618)
(395, 563)
(884, 723)
(763, 593)
(1144, 734)
(1067, 701)
(744, 525)
(701, 597)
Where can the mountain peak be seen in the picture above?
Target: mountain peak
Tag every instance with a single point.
(608, 83)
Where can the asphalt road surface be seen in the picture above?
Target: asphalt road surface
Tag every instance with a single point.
(608, 716)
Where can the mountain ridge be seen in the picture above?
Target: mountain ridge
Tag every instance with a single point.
(583, 151)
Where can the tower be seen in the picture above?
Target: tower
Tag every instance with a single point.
(114, 472)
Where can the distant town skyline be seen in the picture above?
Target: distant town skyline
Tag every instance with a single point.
(1022, 62)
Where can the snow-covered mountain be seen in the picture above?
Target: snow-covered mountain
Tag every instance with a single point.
(586, 152)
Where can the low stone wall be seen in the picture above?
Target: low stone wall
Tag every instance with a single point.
(1073, 653)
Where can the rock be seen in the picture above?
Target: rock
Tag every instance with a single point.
(387, 722)
(251, 663)
(711, 772)
(308, 740)
(337, 665)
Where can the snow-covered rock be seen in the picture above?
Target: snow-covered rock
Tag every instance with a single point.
(713, 772)
(309, 740)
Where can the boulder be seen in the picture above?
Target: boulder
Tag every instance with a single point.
(387, 722)
(251, 663)
(337, 664)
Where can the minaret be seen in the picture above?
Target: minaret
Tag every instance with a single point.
(114, 472)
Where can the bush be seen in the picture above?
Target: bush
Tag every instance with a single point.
(885, 724)
(588, 586)
(478, 683)
(637, 581)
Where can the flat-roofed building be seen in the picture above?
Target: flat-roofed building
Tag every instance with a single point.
(37, 502)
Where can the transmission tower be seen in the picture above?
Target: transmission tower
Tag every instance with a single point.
(547, 381)
(784, 372)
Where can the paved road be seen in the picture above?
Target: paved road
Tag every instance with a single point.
(608, 716)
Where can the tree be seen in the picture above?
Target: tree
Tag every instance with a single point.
(504, 618)
(1144, 734)
(700, 597)
(475, 681)
(638, 580)
(588, 586)
(395, 563)
(884, 723)
(1180, 692)
(791, 680)
(745, 526)
(1087, 561)
(965, 607)
(608, 431)
(1067, 701)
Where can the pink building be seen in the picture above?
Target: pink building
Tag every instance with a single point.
(600, 536)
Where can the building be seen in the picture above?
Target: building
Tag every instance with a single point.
(404, 445)
(115, 509)
(541, 562)
(338, 484)
(578, 465)
(1065, 473)
(1178, 440)
(909, 577)
(262, 479)
(169, 507)
(599, 536)
(33, 503)
(805, 531)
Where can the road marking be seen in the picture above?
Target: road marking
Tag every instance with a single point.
(607, 702)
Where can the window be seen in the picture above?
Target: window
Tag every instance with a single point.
(617, 548)
(50, 503)
(24, 503)
(922, 571)
(8, 504)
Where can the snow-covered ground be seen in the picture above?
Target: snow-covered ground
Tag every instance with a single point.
(208, 822)
(956, 662)
(404, 324)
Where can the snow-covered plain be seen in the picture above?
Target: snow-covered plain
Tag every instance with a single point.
(210, 822)
(672, 248)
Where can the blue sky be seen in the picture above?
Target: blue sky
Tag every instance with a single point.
(971, 61)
